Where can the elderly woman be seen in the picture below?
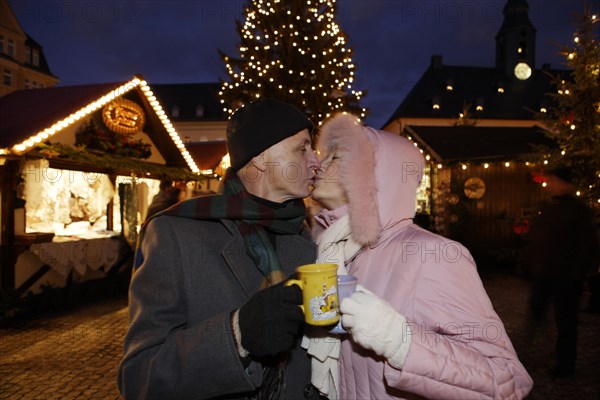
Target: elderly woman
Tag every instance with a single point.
(421, 324)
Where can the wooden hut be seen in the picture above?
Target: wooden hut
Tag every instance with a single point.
(78, 167)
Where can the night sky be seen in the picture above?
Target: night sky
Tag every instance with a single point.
(176, 41)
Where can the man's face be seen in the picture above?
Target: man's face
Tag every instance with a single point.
(290, 167)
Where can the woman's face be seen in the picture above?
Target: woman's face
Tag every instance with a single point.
(328, 189)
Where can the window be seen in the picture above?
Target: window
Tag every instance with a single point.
(36, 58)
(7, 79)
(28, 54)
(175, 111)
(1, 44)
(199, 110)
(11, 47)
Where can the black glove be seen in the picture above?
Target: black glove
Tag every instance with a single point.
(270, 320)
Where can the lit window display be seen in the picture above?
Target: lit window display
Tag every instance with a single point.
(424, 191)
(75, 203)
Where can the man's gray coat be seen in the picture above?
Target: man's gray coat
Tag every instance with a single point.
(179, 344)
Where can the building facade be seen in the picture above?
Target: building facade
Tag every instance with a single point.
(23, 64)
(477, 127)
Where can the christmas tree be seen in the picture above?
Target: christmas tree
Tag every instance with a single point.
(292, 50)
(574, 120)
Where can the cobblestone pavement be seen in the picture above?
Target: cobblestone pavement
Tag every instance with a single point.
(75, 355)
(509, 294)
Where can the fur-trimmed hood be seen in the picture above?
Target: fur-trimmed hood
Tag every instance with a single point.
(379, 171)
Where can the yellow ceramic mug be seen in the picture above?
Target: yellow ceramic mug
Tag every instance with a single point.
(319, 293)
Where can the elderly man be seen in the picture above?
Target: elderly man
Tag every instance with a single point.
(209, 317)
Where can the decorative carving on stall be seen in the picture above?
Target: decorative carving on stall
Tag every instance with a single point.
(113, 133)
(123, 116)
(474, 188)
(453, 199)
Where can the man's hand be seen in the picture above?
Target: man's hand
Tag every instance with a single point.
(375, 325)
(270, 321)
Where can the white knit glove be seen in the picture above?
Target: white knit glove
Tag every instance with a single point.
(375, 325)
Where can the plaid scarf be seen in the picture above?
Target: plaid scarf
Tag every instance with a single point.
(252, 218)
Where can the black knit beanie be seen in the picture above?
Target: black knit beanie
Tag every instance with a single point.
(259, 125)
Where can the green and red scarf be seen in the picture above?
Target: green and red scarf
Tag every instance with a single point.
(253, 219)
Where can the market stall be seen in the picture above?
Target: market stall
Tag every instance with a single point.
(79, 166)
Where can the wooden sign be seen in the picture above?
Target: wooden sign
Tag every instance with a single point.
(123, 116)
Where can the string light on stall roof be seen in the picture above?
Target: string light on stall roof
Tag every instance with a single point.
(47, 133)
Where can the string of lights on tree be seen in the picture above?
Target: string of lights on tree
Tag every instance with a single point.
(574, 120)
(296, 52)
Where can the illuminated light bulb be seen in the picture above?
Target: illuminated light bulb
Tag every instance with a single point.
(427, 157)
(464, 166)
(562, 152)
(544, 184)
(578, 193)
(571, 56)
(543, 109)
(439, 166)
(507, 164)
(573, 127)
(545, 162)
(486, 165)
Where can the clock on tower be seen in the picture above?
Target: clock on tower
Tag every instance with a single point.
(522, 71)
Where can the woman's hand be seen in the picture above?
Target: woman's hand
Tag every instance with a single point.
(375, 325)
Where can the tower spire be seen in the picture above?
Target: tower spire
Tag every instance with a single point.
(515, 41)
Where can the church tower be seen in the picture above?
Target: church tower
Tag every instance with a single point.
(515, 42)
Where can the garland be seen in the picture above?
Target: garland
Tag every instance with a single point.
(113, 162)
(94, 136)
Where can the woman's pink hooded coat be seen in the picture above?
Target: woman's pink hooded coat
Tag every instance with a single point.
(459, 347)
